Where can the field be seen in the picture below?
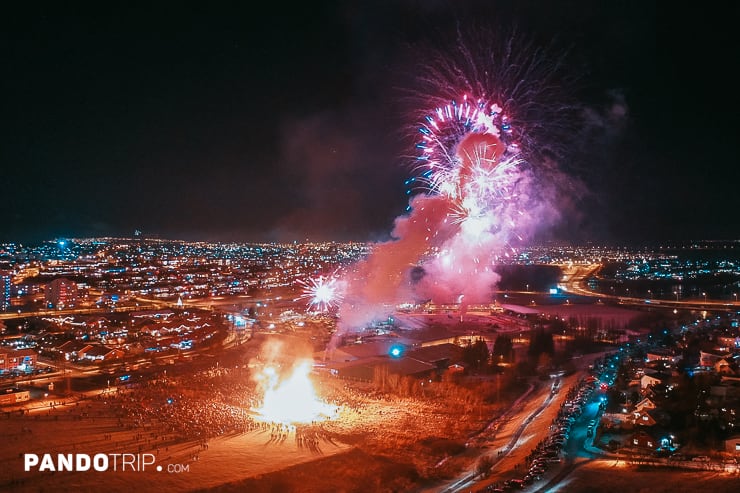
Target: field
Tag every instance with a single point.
(379, 442)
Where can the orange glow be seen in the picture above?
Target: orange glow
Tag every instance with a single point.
(292, 400)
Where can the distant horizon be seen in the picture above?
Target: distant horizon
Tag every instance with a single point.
(633, 244)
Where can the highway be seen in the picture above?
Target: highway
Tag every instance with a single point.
(575, 277)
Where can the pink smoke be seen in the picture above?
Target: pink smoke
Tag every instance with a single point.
(455, 234)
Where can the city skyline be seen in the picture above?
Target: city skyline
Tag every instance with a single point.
(224, 126)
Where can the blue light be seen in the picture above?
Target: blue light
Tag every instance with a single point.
(396, 351)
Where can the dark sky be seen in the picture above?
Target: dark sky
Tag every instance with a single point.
(283, 122)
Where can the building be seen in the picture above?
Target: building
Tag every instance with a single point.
(380, 368)
(13, 396)
(732, 445)
(102, 353)
(61, 293)
(653, 379)
(18, 359)
(644, 440)
(354, 352)
(4, 290)
(707, 359)
(73, 350)
(666, 355)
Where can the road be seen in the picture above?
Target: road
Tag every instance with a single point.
(511, 438)
(575, 277)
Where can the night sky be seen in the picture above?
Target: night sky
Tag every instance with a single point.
(285, 121)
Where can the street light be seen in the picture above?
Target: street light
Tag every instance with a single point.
(735, 295)
(705, 297)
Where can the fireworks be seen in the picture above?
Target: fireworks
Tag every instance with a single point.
(323, 293)
(442, 131)
(468, 155)
(484, 178)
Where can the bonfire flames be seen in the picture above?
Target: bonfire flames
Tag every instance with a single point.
(293, 399)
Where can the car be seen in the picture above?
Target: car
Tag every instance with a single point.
(514, 483)
(701, 458)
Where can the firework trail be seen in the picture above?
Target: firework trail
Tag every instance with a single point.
(480, 183)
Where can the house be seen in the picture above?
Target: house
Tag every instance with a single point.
(732, 445)
(72, 350)
(645, 405)
(644, 440)
(102, 353)
(726, 366)
(441, 355)
(617, 421)
(651, 418)
(729, 342)
(650, 380)
(165, 314)
(667, 355)
(708, 359)
(431, 336)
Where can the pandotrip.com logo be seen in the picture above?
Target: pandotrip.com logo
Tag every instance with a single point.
(98, 463)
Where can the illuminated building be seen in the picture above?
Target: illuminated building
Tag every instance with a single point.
(61, 293)
(4, 290)
(18, 359)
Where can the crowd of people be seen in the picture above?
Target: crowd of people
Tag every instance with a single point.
(208, 404)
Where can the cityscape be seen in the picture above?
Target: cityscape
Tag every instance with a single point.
(99, 326)
(461, 246)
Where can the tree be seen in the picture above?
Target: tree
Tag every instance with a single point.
(476, 354)
(503, 348)
(540, 342)
(484, 466)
